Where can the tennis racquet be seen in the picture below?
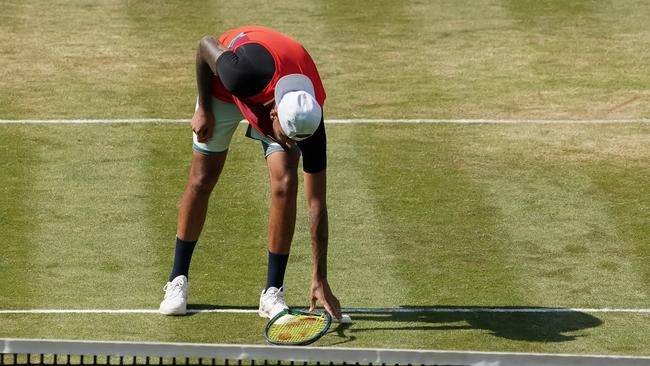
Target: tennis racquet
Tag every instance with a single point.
(297, 328)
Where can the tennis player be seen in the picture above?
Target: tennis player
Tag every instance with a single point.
(269, 79)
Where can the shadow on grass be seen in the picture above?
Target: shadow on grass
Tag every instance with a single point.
(531, 324)
(514, 323)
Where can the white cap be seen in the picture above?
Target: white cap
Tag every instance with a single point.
(298, 111)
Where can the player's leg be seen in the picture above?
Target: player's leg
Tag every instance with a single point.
(204, 174)
(283, 177)
(208, 160)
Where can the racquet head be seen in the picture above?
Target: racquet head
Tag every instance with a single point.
(297, 328)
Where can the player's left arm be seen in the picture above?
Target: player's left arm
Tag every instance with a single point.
(315, 183)
(315, 191)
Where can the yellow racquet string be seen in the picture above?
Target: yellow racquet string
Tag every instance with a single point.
(298, 329)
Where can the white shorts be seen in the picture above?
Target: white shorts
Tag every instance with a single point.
(226, 119)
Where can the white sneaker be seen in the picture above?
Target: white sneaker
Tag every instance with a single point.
(175, 301)
(272, 302)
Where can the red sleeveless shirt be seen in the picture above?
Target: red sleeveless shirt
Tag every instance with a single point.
(290, 57)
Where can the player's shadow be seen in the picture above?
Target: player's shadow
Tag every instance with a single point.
(515, 323)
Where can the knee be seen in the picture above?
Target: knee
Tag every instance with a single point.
(202, 184)
(285, 185)
(316, 211)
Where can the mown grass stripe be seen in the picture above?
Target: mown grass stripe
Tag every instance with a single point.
(87, 234)
(444, 238)
(16, 219)
(565, 246)
(356, 244)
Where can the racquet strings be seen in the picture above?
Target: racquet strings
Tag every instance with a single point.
(298, 328)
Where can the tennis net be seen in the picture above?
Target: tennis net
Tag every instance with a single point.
(68, 352)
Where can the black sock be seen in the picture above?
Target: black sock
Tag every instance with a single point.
(182, 258)
(276, 268)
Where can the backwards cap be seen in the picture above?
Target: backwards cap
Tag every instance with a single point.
(298, 111)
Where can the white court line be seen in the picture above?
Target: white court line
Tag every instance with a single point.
(488, 121)
(504, 310)
(342, 121)
(92, 121)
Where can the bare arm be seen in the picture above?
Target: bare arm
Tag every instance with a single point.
(315, 190)
(208, 52)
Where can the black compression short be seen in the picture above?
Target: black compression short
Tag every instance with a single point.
(314, 148)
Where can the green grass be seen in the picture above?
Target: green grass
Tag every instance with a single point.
(420, 215)
(381, 58)
(568, 333)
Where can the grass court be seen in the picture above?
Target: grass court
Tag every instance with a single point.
(452, 216)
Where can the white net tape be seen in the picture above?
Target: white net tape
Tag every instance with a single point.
(29, 351)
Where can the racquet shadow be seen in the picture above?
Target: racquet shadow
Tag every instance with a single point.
(515, 323)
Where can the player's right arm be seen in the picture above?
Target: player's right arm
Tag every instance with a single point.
(208, 52)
